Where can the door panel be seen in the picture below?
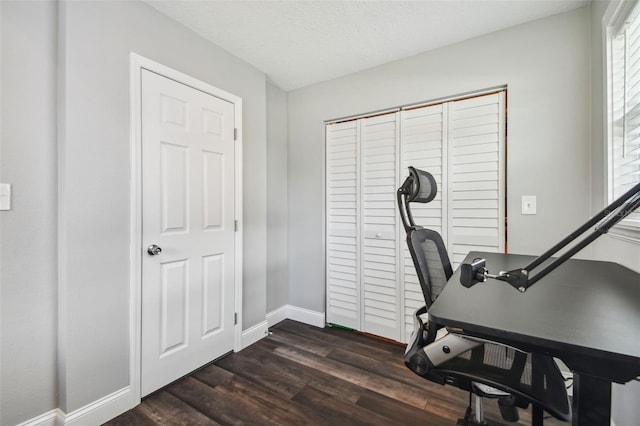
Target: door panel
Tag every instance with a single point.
(213, 296)
(174, 309)
(423, 147)
(188, 211)
(476, 176)
(380, 292)
(174, 187)
(213, 186)
(343, 276)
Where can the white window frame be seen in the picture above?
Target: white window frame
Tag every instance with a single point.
(614, 22)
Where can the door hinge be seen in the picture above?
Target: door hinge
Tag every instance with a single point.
(235, 318)
(235, 226)
(235, 134)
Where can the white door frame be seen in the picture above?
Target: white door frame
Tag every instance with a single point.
(136, 64)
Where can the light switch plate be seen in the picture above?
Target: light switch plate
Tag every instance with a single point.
(528, 204)
(5, 196)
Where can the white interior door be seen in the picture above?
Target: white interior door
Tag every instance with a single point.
(188, 212)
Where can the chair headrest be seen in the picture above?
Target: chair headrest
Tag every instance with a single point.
(423, 186)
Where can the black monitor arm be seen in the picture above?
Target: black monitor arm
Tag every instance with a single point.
(521, 279)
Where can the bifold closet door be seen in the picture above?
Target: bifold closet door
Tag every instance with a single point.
(380, 292)
(343, 227)
(476, 173)
(371, 281)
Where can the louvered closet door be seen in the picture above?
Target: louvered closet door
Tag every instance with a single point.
(476, 176)
(423, 136)
(380, 294)
(343, 232)
(371, 281)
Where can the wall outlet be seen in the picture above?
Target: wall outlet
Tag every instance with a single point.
(528, 204)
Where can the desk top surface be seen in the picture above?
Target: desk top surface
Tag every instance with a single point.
(584, 307)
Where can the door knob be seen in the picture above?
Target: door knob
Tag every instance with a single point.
(154, 250)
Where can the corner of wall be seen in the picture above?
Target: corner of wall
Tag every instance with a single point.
(295, 313)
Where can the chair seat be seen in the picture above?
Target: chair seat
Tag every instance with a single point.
(492, 370)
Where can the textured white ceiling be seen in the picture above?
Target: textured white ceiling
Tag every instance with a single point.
(302, 42)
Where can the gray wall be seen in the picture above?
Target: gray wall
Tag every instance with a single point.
(277, 282)
(94, 178)
(28, 231)
(545, 65)
(68, 238)
(625, 408)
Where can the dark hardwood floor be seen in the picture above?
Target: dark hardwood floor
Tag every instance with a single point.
(303, 375)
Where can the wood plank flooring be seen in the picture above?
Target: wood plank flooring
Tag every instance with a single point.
(303, 375)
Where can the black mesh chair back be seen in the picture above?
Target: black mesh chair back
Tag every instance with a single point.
(431, 261)
(524, 377)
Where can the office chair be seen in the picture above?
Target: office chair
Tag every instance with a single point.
(483, 368)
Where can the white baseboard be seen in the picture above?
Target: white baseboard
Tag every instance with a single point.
(295, 313)
(280, 314)
(307, 316)
(50, 418)
(102, 410)
(255, 333)
(95, 413)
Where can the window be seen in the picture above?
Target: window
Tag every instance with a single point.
(624, 105)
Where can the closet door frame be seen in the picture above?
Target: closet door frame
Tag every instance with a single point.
(400, 174)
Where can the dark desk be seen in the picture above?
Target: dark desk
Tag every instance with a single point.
(585, 313)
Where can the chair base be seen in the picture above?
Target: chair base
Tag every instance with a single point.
(476, 417)
(469, 420)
